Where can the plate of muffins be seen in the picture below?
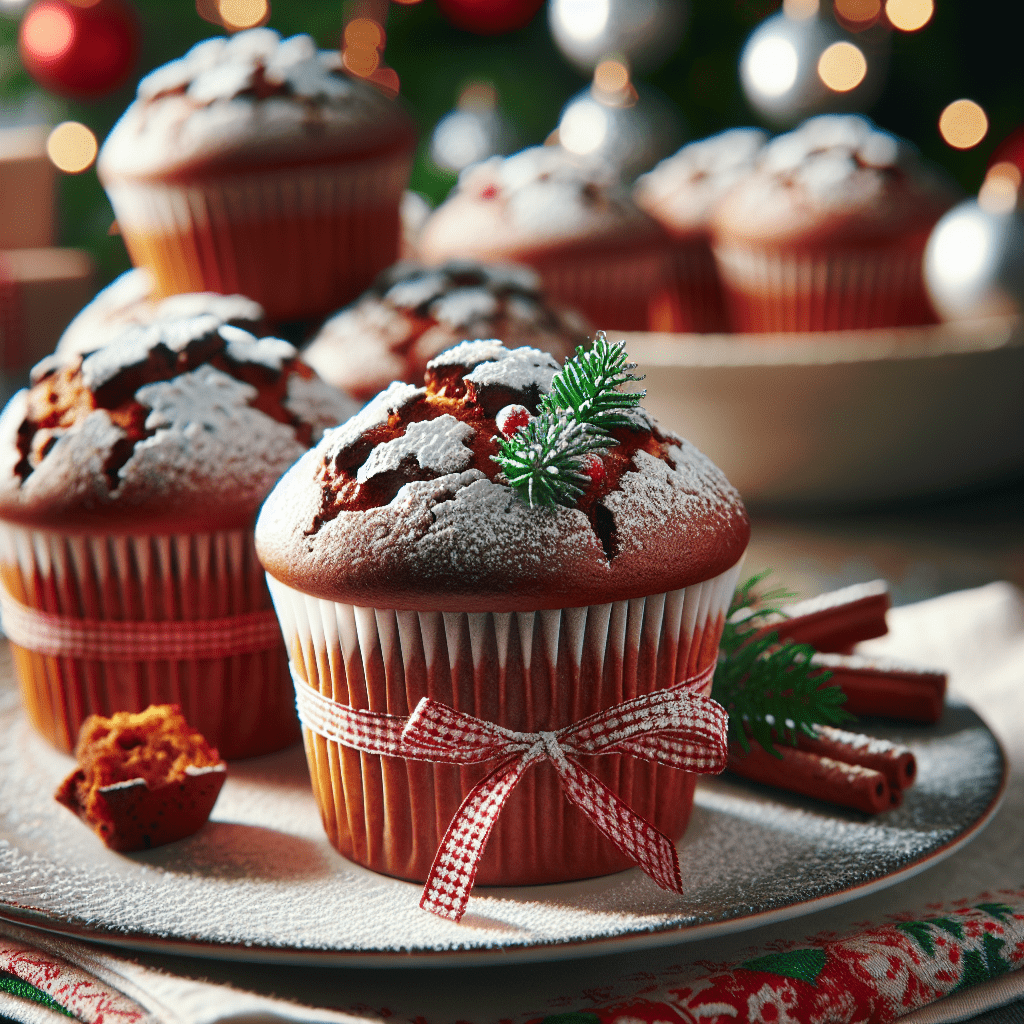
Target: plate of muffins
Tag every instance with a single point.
(468, 569)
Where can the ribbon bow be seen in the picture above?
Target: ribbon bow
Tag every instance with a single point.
(673, 727)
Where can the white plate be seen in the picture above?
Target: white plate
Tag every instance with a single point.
(260, 881)
(847, 416)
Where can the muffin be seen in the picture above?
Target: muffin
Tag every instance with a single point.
(129, 300)
(403, 565)
(130, 483)
(680, 194)
(142, 779)
(252, 165)
(829, 232)
(412, 313)
(572, 222)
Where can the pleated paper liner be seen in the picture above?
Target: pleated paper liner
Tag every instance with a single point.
(242, 703)
(770, 292)
(698, 301)
(301, 241)
(526, 671)
(620, 289)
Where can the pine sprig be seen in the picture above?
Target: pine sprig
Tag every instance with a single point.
(769, 686)
(545, 459)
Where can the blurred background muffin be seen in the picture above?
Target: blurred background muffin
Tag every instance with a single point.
(570, 220)
(680, 194)
(253, 165)
(414, 312)
(829, 232)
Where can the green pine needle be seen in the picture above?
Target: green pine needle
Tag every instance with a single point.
(768, 686)
(544, 460)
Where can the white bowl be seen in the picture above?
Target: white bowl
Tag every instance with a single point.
(846, 416)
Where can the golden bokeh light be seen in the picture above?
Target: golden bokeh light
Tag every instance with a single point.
(842, 67)
(909, 15)
(611, 76)
(478, 96)
(241, 14)
(859, 12)
(963, 124)
(363, 34)
(361, 62)
(1004, 169)
(800, 10)
(71, 147)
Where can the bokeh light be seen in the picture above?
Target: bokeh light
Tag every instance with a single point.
(584, 127)
(963, 124)
(859, 14)
(611, 76)
(800, 10)
(582, 20)
(771, 65)
(842, 67)
(998, 193)
(47, 31)
(72, 147)
(363, 34)
(909, 15)
(241, 14)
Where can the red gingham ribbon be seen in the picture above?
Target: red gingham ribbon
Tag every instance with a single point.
(174, 640)
(673, 727)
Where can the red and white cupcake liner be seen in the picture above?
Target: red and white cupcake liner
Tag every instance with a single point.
(107, 623)
(301, 241)
(623, 289)
(524, 671)
(771, 291)
(699, 304)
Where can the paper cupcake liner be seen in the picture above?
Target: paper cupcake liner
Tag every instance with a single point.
(699, 303)
(242, 703)
(625, 291)
(301, 242)
(526, 671)
(768, 291)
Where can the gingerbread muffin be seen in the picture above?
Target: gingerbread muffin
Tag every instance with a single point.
(130, 483)
(570, 220)
(404, 565)
(829, 232)
(680, 194)
(128, 300)
(142, 779)
(412, 313)
(252, 165)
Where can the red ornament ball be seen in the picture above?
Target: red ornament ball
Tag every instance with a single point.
(594, 468)
(77, 48)
(489, 17)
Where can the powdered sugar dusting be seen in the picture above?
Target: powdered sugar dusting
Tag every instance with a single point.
(521, 369)
(836, 598)
(469, 354)
(437, 445)
(205, 399)
(243, 347)
(315, 402)
(883, 666)
(462, 307)
(375, 413)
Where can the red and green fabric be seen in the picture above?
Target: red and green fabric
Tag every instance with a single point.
(873, 977)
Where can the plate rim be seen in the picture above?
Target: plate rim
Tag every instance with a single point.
(650, 937)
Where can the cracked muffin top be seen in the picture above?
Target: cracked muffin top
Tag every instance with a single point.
(176, 426)
(413, 312)
(405, 507)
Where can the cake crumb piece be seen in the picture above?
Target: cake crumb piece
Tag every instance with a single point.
(143, 779)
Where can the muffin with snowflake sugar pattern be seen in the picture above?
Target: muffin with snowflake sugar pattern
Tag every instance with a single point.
(130, 479)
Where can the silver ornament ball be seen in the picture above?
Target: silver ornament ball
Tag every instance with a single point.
(474, 131)
(974, 261)
(643, 32)
(794, 67)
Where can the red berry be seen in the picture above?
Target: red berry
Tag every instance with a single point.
(512, 418)
(594, 468)
(489, 192)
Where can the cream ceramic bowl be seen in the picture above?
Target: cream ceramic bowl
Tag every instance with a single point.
(846, 417)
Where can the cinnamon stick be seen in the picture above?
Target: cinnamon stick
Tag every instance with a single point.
(836, 782)
(886, 687)
(834, 622)
(896, 763)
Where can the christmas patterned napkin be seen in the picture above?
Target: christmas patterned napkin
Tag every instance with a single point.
(939, 947)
